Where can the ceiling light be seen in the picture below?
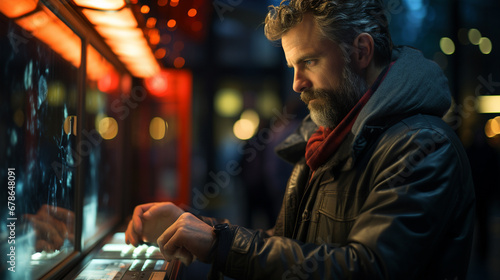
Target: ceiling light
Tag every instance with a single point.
(101, 4)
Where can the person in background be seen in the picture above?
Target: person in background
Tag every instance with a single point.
(381, 186)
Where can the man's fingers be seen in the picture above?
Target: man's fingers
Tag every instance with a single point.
(188, 238)
(42, 245)
(137, 219)
(63, 219)
(184, 256)
(134, 231)
(165, 248)
(46, 232)
(59, 226)
(170, 249)
(59, 213)
(130, 234)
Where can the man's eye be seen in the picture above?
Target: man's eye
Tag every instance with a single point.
(309, 62)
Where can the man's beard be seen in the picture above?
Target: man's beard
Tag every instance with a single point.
(334, 105)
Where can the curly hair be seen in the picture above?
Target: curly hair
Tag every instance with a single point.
(338, 20)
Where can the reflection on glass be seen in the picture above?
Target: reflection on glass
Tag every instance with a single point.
(103, 139)
(37, 96)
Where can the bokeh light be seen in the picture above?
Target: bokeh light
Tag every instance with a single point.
(157, 128)
(447, 46)
(474, 36)
(243, 129)
(485, 45)
(108, 128)
(228, 102)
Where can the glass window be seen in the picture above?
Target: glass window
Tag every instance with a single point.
(40, 60)
(103, 136)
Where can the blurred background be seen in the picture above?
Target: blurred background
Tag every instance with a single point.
(108, 104)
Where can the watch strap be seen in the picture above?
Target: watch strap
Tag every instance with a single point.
(225, 235)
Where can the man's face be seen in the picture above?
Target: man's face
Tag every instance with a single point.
(326, 83)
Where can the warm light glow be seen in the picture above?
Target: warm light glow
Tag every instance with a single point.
(117, 33)
(151, 22)
(474, 36)
(192, 12)
(252, 116)
(145, 9)
(495, 125)
(69, 125)
(126, 40)
(132, 49)
(492, 127)
(101, 4)
(108, 128)
(267, 102)
(179, 62)
(97, 120)
(143, 70)
(62, 40)
(157, 128)
(228, 102)
(162, 3)
(122, 18)
(95, 101)
(34, 21)
(109, 83)
(52, 31)
(160, 53)
(154, 36)
(243, 129)
(174, 3)
(157, 85)
(447, 46)
(97, 65)
(56, 94)
(485, 45)
(17, 8)
(488, 104)
(487, 130)
(126, 84)
(171, 23)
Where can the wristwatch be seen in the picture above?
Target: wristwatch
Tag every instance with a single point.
(219, 228)
(224, 237)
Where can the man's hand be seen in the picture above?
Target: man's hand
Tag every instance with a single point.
(150, 220)
(52, 226)
(188, 238)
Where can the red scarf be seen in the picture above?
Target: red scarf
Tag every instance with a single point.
(326, 141)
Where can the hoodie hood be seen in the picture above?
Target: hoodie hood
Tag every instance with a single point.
(413, 85)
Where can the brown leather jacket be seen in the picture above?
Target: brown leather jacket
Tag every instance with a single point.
(395, 202)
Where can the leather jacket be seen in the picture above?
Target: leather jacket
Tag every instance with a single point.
(395, 201)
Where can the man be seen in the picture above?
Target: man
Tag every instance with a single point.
(381, 187)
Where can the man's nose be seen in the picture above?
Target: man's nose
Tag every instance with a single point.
(300, 82)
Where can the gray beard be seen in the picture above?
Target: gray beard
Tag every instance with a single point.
(335, 104)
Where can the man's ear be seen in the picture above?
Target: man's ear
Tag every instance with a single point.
(364, 50)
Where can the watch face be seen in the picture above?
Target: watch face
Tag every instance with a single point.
(221, 227)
